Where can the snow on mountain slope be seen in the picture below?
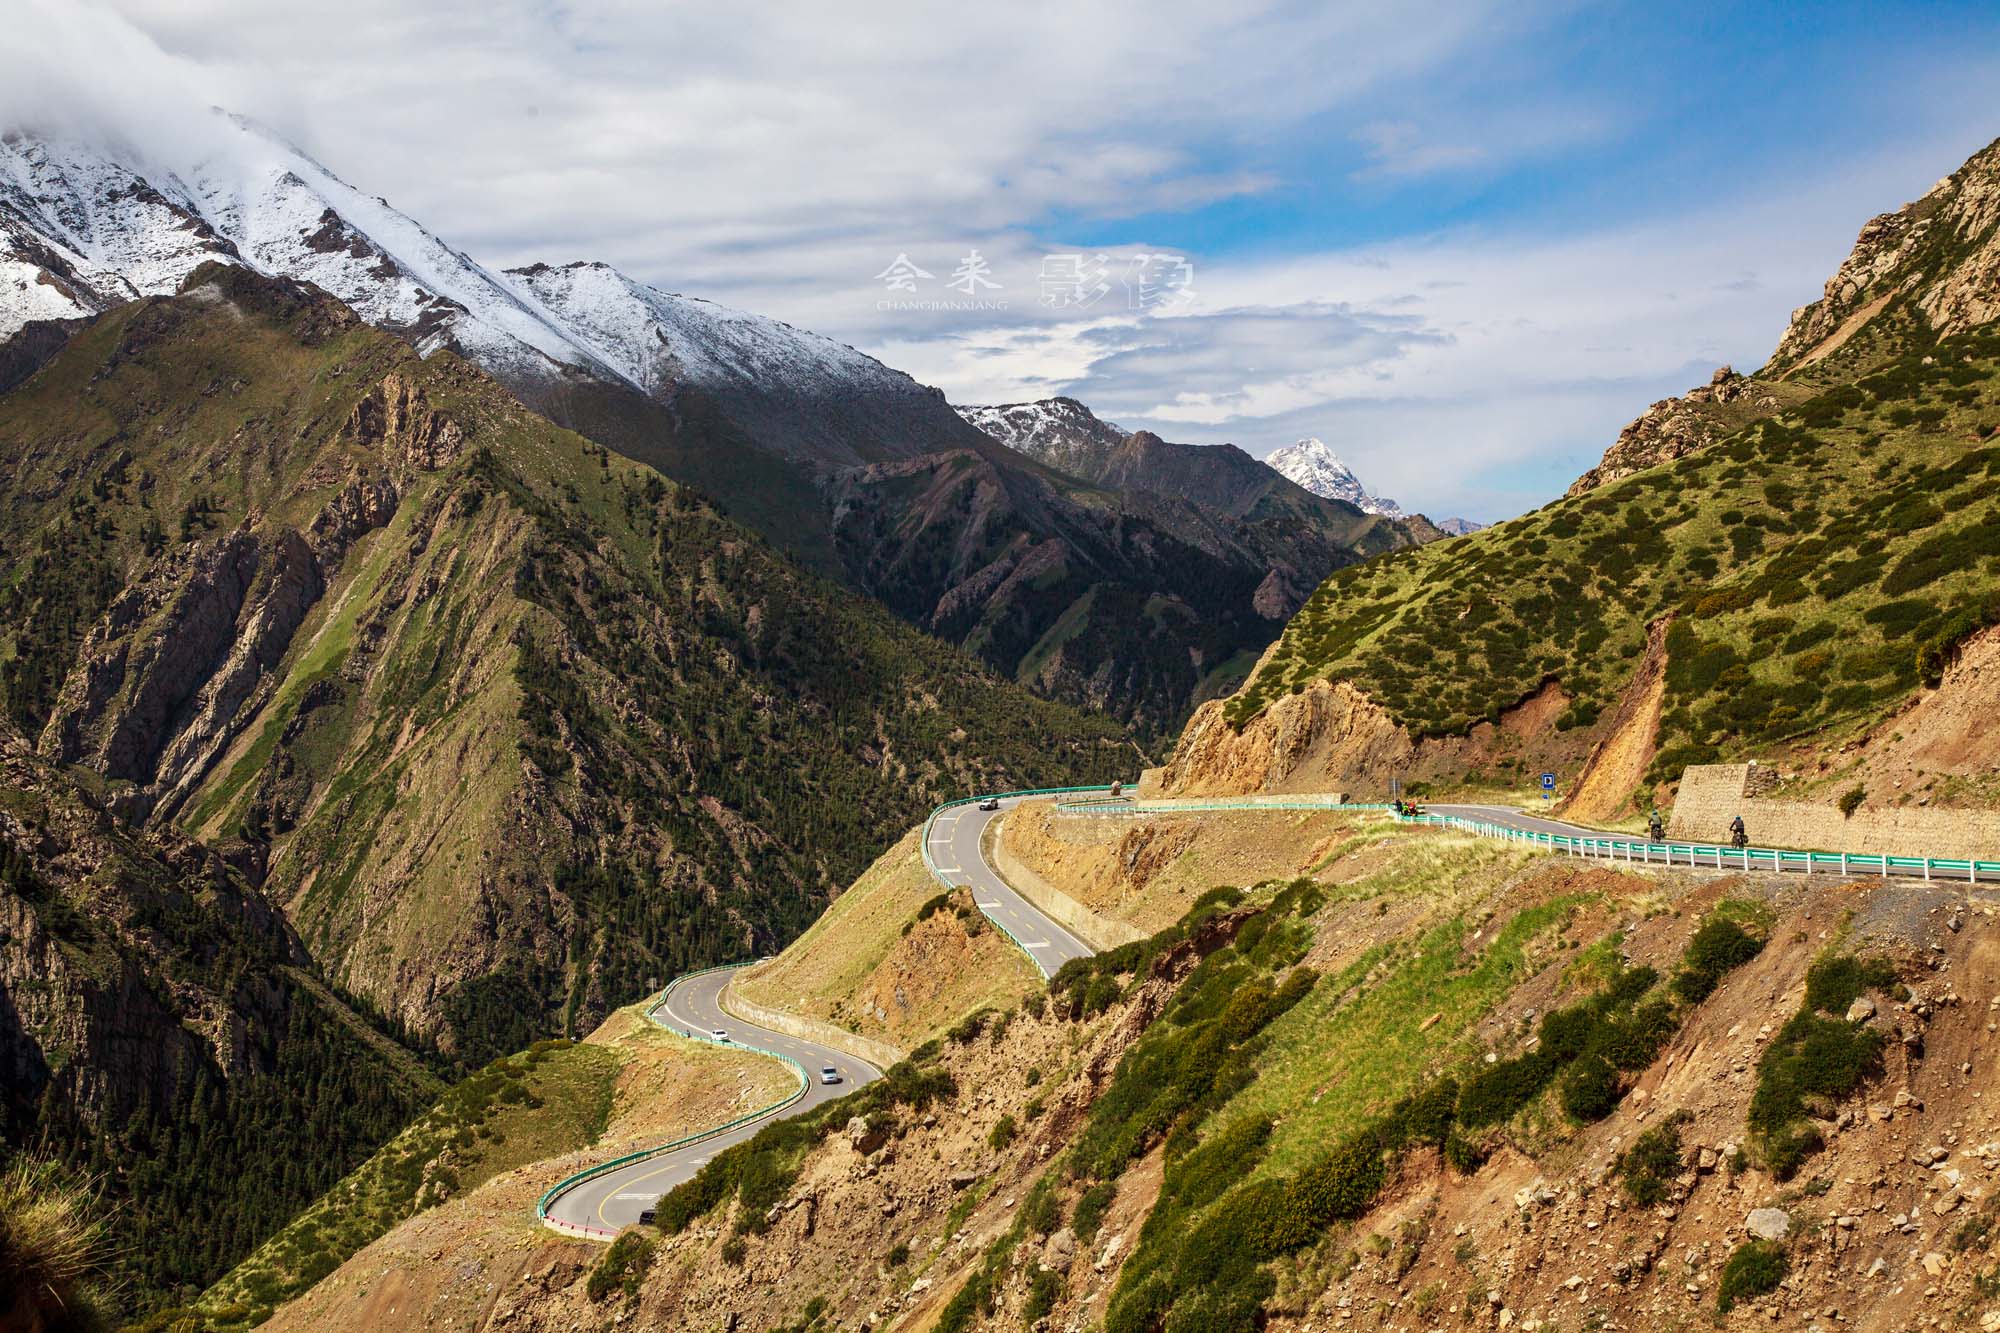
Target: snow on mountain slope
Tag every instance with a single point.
(288, 214)
(797, 392)
(1061, 432)
(1316, 467)
(78, 232)
(83, 227)
(106, 226)
(659, 339)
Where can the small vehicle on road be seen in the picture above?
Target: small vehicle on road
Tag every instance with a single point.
(647, 1216)
(990, 803)
(718, 1034)
(828, 1074)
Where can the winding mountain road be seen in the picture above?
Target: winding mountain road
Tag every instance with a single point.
(1512, 818)
(604, 1204)
(692, 1006)
(958, 850)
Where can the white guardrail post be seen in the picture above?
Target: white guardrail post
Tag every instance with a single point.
(1641, 853)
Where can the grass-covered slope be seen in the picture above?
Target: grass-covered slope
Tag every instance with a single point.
(513, 728)
(1817, 564)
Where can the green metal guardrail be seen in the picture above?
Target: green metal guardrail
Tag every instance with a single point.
(568, 1183)
(1697, 855)
(930, 863)
(1692, 854)
(1118, 805)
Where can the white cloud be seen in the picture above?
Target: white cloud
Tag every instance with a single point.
(1399, 148)
(775, 157)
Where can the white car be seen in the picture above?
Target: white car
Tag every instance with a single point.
(717, 1034)
(828, 1074)
(990, 803)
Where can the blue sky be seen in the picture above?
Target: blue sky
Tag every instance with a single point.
(1462, 242)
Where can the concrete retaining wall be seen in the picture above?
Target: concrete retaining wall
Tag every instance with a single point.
(1713, 794)
(878, 1053)
(1100, 932)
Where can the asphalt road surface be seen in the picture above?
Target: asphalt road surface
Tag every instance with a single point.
(614, 1200)
(958, 852)
(1512, 818)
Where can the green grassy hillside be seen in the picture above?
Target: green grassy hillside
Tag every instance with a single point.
(513, 728)
(1817, 564)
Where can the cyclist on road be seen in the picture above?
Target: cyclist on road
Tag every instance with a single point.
(1737, 837)
(1655, 828)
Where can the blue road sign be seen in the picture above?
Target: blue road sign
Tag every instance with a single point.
(1548, 782)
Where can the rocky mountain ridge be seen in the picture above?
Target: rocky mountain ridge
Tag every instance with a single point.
(1791, 567)
(1929, 270)
(454, 684)
(786, 430)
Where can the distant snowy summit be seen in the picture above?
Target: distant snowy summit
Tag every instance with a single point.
(1058, 431)
(1316, 467)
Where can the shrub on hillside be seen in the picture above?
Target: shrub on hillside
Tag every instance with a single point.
(1339, 1186)
(1816, 1060)
(1589, 1089)
(622, 1267)
(1755, 1268)
(1718, 947)
(1091, 1208)
(1496, 1092)
(1648, 1167)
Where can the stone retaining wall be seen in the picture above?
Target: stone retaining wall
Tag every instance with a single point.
(878, 1053)
(1100, 932)
(1713, 794)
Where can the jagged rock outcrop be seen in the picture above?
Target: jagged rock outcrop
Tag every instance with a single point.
(1675, 427)
(1939, 256)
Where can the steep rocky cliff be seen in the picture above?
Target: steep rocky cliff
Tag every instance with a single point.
(161, 1026)
(1929, 270)
(510, 727)
(1675, 427)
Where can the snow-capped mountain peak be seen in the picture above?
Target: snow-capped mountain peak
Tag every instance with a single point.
(1313, 464)
(84, 227)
